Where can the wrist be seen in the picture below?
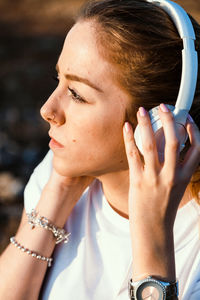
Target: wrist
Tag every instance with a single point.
(151, 287)
(153, 251)
(57, 204)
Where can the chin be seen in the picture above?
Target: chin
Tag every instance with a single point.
(60, 167)
(66, 169)
(76, 169)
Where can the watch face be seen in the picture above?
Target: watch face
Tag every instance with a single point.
(150, 291)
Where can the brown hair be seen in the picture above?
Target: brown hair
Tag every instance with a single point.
(141, 40)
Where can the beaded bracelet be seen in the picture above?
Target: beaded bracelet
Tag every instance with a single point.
(34, 219)
(30, 252)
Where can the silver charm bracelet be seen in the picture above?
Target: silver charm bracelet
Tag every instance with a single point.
(34, 219)
(30, 252)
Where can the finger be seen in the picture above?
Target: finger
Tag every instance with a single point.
(192, 158)
(172, 145)
(148, 141)
(133, 156)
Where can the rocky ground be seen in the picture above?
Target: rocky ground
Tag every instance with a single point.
(31, 37)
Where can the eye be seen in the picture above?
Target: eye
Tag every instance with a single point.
(76, 97)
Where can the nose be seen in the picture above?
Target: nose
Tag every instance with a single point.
(47, 114)
(52, 112)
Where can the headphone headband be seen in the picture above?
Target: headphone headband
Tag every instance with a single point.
(179, 17)
(189, 57)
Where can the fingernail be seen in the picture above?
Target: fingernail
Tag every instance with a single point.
(190, 119)
(164, 108)
(127, 127)
(142, 112)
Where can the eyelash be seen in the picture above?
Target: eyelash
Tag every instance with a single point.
(76, 97)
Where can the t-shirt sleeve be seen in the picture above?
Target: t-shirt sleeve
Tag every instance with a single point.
(37, 182)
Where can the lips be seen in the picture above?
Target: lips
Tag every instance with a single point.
(54, 144)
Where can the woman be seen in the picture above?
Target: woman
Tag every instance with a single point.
(120, 59)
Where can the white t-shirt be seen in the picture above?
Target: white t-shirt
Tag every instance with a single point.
(96, 264)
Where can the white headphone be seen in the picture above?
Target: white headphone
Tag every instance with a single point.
(188, 78)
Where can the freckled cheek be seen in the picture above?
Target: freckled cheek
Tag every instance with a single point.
(86, 128)
(95, 129)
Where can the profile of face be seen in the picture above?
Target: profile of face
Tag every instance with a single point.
(86, 112)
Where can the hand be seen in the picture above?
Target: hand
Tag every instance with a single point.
(59, 182)
(156, 190)
(60, 195)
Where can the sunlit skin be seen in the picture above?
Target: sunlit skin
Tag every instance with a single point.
(88, 139)
(87, 120)
(90, 131)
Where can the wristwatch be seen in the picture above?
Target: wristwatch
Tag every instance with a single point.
(151, 288)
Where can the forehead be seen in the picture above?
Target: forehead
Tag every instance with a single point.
(80, 56)
(80, 53)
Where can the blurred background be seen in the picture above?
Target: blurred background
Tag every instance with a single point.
(31, 37)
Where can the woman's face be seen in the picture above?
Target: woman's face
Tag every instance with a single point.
(86, 111)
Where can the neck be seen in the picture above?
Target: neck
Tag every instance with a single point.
(116, 188)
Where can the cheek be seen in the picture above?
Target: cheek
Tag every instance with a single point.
(96, 130)
(94, 144)
(101, 142)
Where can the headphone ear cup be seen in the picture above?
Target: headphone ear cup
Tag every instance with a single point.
(181, 134)
(159, 133)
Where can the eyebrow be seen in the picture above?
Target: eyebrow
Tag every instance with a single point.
(80, 79)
